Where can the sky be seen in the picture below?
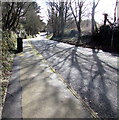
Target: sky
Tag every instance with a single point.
(104, 6)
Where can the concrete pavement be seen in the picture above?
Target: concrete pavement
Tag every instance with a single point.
(36, 91)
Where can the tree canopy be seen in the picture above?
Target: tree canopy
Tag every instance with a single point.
(25, 13)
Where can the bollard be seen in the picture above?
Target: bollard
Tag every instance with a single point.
(19, 45)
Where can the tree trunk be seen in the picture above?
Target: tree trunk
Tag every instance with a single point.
(93, 20)
(79, 26)
(79, 32)
(61, 17)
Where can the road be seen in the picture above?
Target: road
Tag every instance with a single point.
(36, 91)
(92, 74)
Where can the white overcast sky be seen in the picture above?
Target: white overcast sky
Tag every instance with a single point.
(104, 6)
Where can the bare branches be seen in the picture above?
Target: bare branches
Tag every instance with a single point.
(58, 14)
(12, 13)
(93, 14)
(25, 9)
(97, 3)
(78, 9)
(73, 12)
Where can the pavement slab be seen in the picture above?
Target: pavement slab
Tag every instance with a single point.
(35, 91)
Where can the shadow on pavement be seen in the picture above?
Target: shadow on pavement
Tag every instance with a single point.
(89, 75)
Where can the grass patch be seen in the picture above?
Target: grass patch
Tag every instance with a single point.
(49, 36)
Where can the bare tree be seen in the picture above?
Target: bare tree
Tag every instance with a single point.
(12, 13)
(53, 17)
(58, 14)
(93, 15)
(63, 12)
(78, 11)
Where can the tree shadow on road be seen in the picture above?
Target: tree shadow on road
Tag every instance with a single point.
(104, 106)
(87, 73)
(34, 97)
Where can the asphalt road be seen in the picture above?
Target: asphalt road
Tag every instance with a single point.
(92, 74)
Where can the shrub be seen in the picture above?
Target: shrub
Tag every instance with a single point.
(7, 45)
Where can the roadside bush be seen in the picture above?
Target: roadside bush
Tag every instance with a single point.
(9, 40)
(8, 43)
(73, 33)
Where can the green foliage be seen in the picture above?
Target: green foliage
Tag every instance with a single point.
(32, 21)
(22, 32)
(7, 44)
(8, 41)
